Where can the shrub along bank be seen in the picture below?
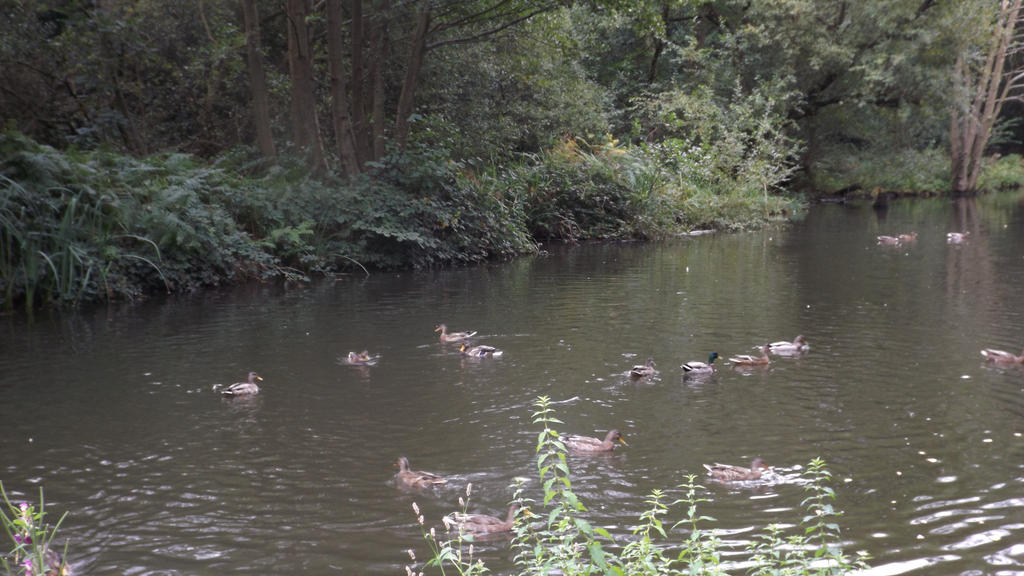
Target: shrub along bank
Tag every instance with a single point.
(79, 226)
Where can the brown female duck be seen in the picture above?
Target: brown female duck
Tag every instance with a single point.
(481, 351)
(586, 444)
(244, 388)
(417, 478)
(1002, 357)
(748, 360)
(798, 346)
(454, 336)
(483, 524)
(360, 359)
(643, 370)
(730, 473)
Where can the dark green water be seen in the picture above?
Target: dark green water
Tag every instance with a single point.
(116, 412)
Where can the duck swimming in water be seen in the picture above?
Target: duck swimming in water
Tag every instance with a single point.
(244, 388)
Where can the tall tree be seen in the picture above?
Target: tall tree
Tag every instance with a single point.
(305, 125)
(982, 84)
(343, 132)
(257, 80)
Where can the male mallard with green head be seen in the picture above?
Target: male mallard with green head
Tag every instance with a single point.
(244, 388)
(695, 367)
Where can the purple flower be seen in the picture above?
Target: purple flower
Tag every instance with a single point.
(22, 539)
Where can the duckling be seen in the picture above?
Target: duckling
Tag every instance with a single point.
(907, 238)
(480, 351)
(730, 473)
(483, 524)
(244, 388)
(888, 240)
(643, 370)
(1002, 357)
(797, 346)
(747, 360)
(696, 368)
(454, 336)
(417, 478)
(587, 444)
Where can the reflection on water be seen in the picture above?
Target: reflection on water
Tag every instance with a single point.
(117, 412)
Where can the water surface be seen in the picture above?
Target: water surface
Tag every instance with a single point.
(116, 412)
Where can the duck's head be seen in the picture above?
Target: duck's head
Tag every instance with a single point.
(254, 376)
(759, 464)
(441, 328)
(712, 357)
(615, 436)
(402, 463)
(463, 348)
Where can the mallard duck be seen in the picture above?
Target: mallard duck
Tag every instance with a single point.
(797, 346)
(360, 359)
(417, 478)
(454, 336)
(588, 444)
(643, 370)
(956, 237)
(55, 564)
(748, 360)
(907, 238)
(483, 524)
(479, 351)
(730, 473)
(888, 240)
(244, 388)
(1002, 357)
(701, 367)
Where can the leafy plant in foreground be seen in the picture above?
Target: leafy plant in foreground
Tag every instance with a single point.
(564, 542)
(33, 551)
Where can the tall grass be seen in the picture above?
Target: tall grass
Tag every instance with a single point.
(33, 548)
(564, 542)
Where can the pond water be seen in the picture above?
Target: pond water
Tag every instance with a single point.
(116, 412)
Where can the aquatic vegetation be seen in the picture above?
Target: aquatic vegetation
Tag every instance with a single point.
(564, 542)
(33, 549)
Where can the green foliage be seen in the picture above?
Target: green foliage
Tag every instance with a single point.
(33, 550)
(1002, 173)
(564, 542)
(906, 171)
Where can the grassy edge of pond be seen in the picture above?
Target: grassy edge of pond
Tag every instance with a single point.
(89, 226)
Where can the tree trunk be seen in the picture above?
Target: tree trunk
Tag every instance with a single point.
(305, 127)
(412, 76)
(257, 81)
(379, 55)
(339, 92)
(981, 100)
(360, 124)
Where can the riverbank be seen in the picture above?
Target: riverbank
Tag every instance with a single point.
(82, 226)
